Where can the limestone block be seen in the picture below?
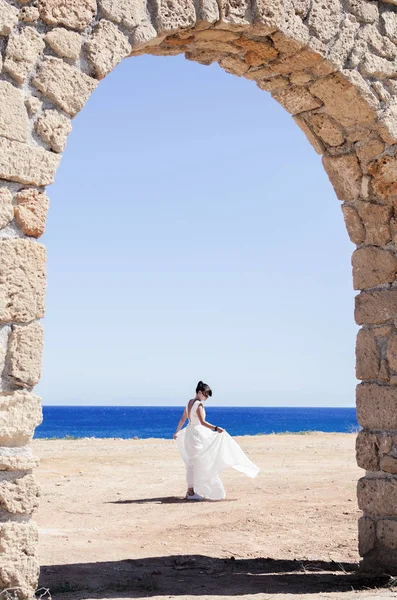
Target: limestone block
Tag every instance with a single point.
(300, 78)
(388, 464)
(269, 13)
(372, 266)
(17, 459)
(375, 308)
(304, 59)
(19, 564)
(13, 114)
(326, 128)
(354, 225)
(76, 14)
(376, 219)
(64, 85)
(24, 354)
(33, 105)
(64, 43)
(31, 211)
(391, 352)
(367, 448)
(343, 100)
(20, 414)
(366, 535)
(205, 57)
(376, 406)
(274, 84)
(8, 17)
(143, 34)
(235, 13)
(23, 50)
(380, 44)
(22, 280)
(106, 47)
(284, 44)
(234, 65)
(389, 21)
(345, 175)
(215, 46)
(296, 99)
(341, 48)
(367, 355)
(387, 125)
(384, 172)
(207, 12)
(54, 128)
(384, 373)
(378, 496)
(29, 14)
(263, 51)
(19, 493)
(217, 35)
(171, 16)
(27, 164)
(312, 138)
(385, 444)
(301, 7)
(324, 19)
(367, 12)
(367, 150)
(128, 13)
(6, 207)
(377, 67)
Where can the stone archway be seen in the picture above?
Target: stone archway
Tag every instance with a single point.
(332, 65)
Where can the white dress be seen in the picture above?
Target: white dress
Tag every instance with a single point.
(207, 453)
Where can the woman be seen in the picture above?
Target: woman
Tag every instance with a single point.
(206, 450)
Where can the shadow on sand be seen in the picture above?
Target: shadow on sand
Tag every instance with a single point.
(196, 575)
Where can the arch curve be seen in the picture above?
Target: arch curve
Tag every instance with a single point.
(331, 65)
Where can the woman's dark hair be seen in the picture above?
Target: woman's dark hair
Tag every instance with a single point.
(204, 388)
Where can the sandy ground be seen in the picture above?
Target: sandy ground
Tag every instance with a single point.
(114, 524)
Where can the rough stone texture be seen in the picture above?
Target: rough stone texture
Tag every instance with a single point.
(354, 225)
(372, 266)
(376, 219)
(22, 280)
(296, 100)
(234, 66)
(367, 448)
(312, 138)
(327, 129)
(128, 13)
(22, 52)
(13, 116)
(19, 493)
(345, 175)
(31, 211)
(6, 207)
(391, 352)
(8, 17)
(389, 465)
(366, 535)
(24, 354)
(386, 532)
(384, 171)
(20, 414)
(17, 459)
(64, 43)
(29, 14)
(324, 19)
(342, 100)
(33, 105)
(27, 164)
(367, 355)
(376, 307)
(76, 14)
(171, 15)
(378, 496)
(376, 406)
(54, 128)
(64, 85)
(367, 150)
(19, 565)
(106, 48)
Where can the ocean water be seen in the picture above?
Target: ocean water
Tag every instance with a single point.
(160, 422)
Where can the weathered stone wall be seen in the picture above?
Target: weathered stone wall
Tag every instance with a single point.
(331, 64)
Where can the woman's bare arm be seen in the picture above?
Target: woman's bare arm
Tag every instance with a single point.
(181, 422)
(204, 422)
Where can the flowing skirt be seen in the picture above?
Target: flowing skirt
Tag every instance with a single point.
(206, 454)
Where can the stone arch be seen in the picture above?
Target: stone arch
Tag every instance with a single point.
(330, 64)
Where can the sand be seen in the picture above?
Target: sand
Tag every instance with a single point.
(114, 524)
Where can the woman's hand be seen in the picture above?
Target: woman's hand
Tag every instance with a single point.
(175, 435)
(219, 429)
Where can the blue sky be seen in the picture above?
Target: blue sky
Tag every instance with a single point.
(193, 234)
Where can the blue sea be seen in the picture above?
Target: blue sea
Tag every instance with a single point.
(160, 422)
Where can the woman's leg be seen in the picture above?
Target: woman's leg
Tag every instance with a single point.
(190, 478)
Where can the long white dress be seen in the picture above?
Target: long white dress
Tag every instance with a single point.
(207, 453)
